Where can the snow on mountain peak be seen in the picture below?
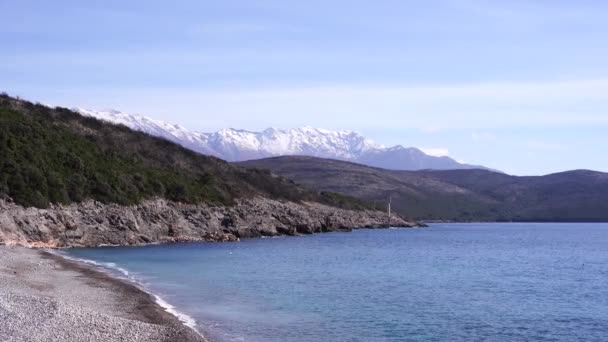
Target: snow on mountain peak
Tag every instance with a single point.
(238, 145)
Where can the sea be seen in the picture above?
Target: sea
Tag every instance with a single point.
(448, 282)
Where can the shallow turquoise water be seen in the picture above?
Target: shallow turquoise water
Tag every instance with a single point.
(449, 282)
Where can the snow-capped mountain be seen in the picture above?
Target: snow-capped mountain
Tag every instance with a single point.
(239, 145)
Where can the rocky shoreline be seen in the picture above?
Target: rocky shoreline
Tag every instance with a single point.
(91, 223)
(72, 301)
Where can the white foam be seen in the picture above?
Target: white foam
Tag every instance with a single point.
(185, 319)
(103, 265)
(106, 266)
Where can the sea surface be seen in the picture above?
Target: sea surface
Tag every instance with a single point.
(449, 282)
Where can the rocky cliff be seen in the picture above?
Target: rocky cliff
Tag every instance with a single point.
(93, 224)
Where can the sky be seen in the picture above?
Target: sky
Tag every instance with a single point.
(519, 86)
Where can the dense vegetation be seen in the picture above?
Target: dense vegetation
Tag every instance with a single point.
(54, 155)
(459, 195)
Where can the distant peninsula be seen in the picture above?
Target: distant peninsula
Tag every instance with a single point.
(455, 195)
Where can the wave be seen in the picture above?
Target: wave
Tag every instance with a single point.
(112, 269)
(185, 319)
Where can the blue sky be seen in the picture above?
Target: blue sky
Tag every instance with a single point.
(521, 86)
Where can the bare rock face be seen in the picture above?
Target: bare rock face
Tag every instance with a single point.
(158, 221)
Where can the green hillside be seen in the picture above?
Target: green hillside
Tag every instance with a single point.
(54, 155)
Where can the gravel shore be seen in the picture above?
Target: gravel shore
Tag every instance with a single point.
(44, 297)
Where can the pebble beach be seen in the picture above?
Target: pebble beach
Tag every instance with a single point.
(44, 297)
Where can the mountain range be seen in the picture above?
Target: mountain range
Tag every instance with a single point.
(93, 182)
(239, 145)
(54, 157)
(458, 195)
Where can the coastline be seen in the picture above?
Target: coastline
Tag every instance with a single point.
(67, 300)
(105, 268)
(93, 224)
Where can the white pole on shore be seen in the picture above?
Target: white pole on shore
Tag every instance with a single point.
(390, 199)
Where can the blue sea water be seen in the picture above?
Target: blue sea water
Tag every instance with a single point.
(449, 282)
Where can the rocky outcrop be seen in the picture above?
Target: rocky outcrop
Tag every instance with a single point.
(157, 221)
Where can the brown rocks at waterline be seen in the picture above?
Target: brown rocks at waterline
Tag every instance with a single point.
(160, 221)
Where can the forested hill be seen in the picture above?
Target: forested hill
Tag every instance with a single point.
(54, 155)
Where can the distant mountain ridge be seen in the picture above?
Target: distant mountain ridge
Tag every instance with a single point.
(239, 145)
(459, 195)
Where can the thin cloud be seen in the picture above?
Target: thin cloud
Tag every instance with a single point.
(436, 151)
(541, 145)
(468, 106)
(481, 136)
(473, 107)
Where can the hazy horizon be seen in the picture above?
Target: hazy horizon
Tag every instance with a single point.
(520, 87)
